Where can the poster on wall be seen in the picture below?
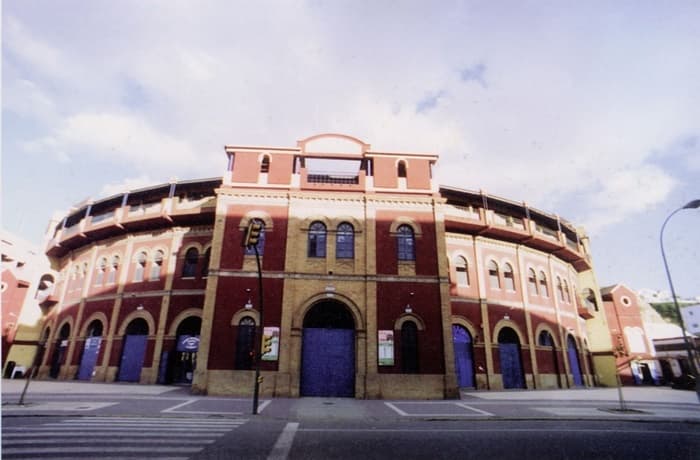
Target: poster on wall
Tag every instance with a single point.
(271, 337)
(386, 347)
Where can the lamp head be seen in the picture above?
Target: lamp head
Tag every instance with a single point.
(692, 205)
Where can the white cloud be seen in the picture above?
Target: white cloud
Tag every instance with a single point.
(116, 138)
(26, 98)
(625, 193)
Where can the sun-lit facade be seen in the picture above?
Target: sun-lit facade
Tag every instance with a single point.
(377, 283)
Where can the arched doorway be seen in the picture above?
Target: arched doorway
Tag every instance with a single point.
(573, 361)
(328, 351)
(135, 340)
(464, 356)
(91, 350)
(59, 351)
(183, 360)
(509, 353)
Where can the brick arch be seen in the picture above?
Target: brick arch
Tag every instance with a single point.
(138, 314)
(183, 315)
(403, 220)
(98, 315)
(242, 313)
(511, 324)
(458, 320)
(545, 327)
(420, 324)
(298, 318)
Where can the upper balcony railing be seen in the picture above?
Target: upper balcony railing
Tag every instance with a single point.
(116, 213)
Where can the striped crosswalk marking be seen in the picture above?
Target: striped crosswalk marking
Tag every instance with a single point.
(115, 437)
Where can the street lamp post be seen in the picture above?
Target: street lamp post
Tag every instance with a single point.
(693, 368)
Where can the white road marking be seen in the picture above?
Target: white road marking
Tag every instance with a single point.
(281, 449)
(482, 412)
(395, 406)
(398, 411)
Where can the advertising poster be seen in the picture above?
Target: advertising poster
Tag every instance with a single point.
(274, 353)
(386, 348)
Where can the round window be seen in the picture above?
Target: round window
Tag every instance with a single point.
(626, 301)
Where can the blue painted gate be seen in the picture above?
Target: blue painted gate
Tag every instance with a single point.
(328, 362)
(132, 358)
(464, 356)
(90, 352)
(511, 369)
(573, 362)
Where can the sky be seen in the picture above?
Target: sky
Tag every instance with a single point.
(589, 110)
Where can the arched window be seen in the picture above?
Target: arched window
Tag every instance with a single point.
(567, 295)
(140, 266)
(101, 268)
(545, 339)
(265, 164)
(406, 243)
(113, 268)
(156, 265)
(190, 267)
(245, 343)
(250, 250)
(409, 348)
(94, 328)
(494, 279)
(543, 285)
(402, 169)
(462, 271)
(205, 261)
(560, 289)
(345, 241)
(317, 240)
(532, 281)
(509, 277)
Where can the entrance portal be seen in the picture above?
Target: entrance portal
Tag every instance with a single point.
(511, 365)
(464, 356)
(328, 351)
(574, 362)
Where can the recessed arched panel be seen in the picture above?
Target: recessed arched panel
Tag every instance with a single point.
(511, 363)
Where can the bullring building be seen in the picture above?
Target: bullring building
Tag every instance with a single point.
(376, 283)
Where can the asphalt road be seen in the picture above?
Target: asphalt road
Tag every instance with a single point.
(140, 422)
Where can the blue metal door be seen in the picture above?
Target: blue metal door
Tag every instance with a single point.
(132, 358)
(464, 356)
(90, 352)
(511, 369)
(573, 362)
(328, 362)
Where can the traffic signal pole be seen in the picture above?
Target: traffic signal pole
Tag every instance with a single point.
(258, 339)
(251, 238)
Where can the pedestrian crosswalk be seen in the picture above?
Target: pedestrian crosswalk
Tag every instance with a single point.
(112, 438)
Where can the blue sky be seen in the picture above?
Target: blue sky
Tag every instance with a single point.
(590, 110)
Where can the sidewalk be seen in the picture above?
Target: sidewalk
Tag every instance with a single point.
(645, 394)
(70, 387)
(92, 399)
